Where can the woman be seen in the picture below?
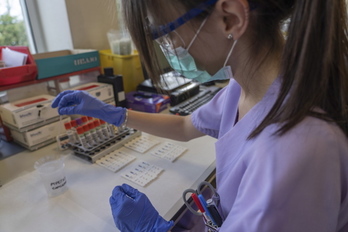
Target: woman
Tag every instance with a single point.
(281, 123)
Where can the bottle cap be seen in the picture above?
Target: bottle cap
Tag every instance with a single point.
(90, 118)
(91, 125)
(84, 119)
(79, 121)
(67, 125)
(85, 128)
(96, 123)
(102, 121)
(80, 130)
(73, 123)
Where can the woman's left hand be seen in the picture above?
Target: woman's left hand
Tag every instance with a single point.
(133, 211)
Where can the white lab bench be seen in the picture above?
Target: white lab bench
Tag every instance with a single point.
(25, 206)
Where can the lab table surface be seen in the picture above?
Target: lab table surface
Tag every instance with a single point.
(25, 206)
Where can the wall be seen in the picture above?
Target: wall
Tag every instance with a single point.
(90, 20)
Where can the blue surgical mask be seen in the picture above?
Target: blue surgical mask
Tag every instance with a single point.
(181, 61)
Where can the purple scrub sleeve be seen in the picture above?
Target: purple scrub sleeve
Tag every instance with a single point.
(295, 182)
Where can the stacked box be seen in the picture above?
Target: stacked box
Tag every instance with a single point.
(29, 113)
(103, 92)
(33, 123)
(40, 136)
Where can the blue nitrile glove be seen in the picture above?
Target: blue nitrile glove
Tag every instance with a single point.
(81, 102)
(133, 211)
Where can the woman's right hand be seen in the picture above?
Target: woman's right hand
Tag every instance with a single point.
(81, 102)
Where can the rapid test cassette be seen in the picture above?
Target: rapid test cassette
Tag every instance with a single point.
(102, 91)
(29, 113)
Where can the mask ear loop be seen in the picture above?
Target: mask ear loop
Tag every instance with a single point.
(230, 52)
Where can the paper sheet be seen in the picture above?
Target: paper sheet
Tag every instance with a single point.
(13, 58)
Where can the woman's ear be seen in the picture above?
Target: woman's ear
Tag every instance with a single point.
(234, 15)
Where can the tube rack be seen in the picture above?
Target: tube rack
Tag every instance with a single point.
(96, 152)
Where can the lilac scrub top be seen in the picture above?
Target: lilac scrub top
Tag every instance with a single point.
(293, 183)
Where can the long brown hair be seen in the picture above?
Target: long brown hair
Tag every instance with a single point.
(314, 60)
(314, 65)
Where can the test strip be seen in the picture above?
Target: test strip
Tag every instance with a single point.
(142, 144)
(142, 173)
(116, 160)
(169, 151)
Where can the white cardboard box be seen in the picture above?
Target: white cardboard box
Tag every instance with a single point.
(41, 136)
(24, 113)
(102, 91)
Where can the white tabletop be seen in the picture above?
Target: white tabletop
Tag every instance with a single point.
(24, 205)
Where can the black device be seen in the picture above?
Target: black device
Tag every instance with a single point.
(117, 84)
(173, 84)
(187, 107)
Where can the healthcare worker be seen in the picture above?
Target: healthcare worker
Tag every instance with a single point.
(281, 123)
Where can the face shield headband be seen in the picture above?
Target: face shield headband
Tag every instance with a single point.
(157, 32)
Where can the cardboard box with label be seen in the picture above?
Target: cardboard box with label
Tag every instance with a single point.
(57, 63)
(29, 113)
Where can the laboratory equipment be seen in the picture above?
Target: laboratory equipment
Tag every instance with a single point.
(208, 209)
(51, 170)
(169, 151)
(187, 107)
(96, 151)
(142, 173)
(71, 133)
(116, 160)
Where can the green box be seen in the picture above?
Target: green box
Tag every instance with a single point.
(57, 63)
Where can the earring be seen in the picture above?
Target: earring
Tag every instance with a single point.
(230, 36)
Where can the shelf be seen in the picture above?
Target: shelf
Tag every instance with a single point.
(22, 84)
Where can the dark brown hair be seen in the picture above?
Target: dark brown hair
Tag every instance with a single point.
(314, 65)
(314, 59)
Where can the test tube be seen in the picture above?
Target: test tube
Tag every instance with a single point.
(73, 128)
(90, 118)
(82, 138)
(88, 136)
(71, 134)
(94, 132)
(105, 129)
(111, 128)
(100, 131)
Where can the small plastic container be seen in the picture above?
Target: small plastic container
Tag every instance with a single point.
(120, 42)
(51, 170)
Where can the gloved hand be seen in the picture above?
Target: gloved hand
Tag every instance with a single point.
(133, 211)
(81, 102)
